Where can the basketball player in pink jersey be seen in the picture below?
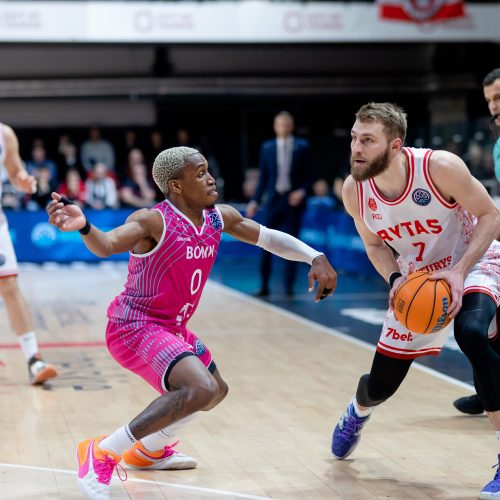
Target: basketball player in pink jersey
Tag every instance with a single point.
(426, 207)
(38, 370)
(172, 249)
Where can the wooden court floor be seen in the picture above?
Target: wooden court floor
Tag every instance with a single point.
(289, 381)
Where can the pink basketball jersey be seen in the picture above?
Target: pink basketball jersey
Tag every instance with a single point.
(165, 284)
(421, 226)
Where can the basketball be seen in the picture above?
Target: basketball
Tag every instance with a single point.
(421, 304)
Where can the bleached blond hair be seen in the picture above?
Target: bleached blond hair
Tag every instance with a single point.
(168, 165)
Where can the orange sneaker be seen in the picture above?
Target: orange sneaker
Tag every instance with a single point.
(39, 371)
(95, 468)
(138, 457)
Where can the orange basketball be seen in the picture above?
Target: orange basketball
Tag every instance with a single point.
(421, 304)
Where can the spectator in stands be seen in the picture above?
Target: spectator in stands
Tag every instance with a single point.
(39, 160)
(137, 190)
(285, 178)
(46, 184)
(95, 150)
(474, 158)
(73, 188)
(68, 157)
(101, 189)
(322, 198)
(155, 147)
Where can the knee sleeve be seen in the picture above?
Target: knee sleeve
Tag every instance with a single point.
(363, 396)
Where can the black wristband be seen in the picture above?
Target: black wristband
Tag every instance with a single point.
(85, 229)
(393, 277)
(65, 201)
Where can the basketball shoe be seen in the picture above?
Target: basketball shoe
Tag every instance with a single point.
(95, 468)
(492, 489)
(138, 457)
(39, 371)
(347, 433)
(471, 405)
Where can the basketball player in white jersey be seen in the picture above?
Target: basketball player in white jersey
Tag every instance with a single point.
(424, 206)
(38, 370)
(172, 249)
(491, 90)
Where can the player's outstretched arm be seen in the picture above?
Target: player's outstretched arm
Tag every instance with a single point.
(139, 226)
(283, 245)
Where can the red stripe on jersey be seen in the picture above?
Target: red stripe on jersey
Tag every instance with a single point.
(409, 182)
(410, 355)
(481, 289)
(431, 184)
(361, 202)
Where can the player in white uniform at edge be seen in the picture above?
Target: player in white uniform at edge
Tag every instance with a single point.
(38, 370)
(425, 206)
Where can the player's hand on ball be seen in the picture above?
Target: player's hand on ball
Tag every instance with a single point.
(66, 217)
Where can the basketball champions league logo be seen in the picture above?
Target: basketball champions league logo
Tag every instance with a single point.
(215, 221)
(421, 197)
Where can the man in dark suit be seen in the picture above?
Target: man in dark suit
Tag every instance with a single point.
(285, 179)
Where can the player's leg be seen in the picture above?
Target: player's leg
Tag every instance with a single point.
(472, 405)
(380, 384)
(471, 332)
(18, 312)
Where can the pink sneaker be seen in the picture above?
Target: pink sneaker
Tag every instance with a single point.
(95, 468)
(138, 457)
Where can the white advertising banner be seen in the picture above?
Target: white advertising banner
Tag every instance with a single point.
(244, 21)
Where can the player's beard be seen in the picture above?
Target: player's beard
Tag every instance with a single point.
(378, 165)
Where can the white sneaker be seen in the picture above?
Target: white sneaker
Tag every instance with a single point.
(39, 371)
(138, 457)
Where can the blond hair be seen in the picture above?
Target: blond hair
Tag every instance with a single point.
(169, 164)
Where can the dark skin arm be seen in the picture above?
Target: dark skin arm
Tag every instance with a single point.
(140, 233)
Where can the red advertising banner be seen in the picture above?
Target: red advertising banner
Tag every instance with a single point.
(420, 11)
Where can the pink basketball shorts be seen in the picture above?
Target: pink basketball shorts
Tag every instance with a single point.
(151, 351)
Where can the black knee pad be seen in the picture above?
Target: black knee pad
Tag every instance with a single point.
(362, 393)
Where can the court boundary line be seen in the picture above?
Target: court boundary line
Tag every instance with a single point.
(200, 489)
(335, 333)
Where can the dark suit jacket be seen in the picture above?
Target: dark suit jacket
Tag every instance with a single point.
(300, 172)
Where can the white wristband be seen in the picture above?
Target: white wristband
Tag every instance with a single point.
(286, 246)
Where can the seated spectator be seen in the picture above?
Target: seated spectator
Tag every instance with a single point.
(73, 188)
(68, 157)
(95, 150)
(322, 198)
(46, 184)
(101, 189)
(39, 160)
(155, 147)
(137, 190)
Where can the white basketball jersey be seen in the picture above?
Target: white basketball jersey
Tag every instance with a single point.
(2, 159)
(420, 225)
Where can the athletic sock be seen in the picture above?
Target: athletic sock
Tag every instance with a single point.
(118, 442)
(29, 345)
(361, 413)
(158, 440)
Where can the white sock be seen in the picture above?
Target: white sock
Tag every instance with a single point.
(498, 437)
(361, 413)
(28, 343)
(158, 440)
(118, 442)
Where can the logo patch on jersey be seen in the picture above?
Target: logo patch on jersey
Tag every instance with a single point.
(215, 220)
(421, 197)
(372, 204)
(199, 347)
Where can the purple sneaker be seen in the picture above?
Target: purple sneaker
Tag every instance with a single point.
(347, 433)
(492, 489)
